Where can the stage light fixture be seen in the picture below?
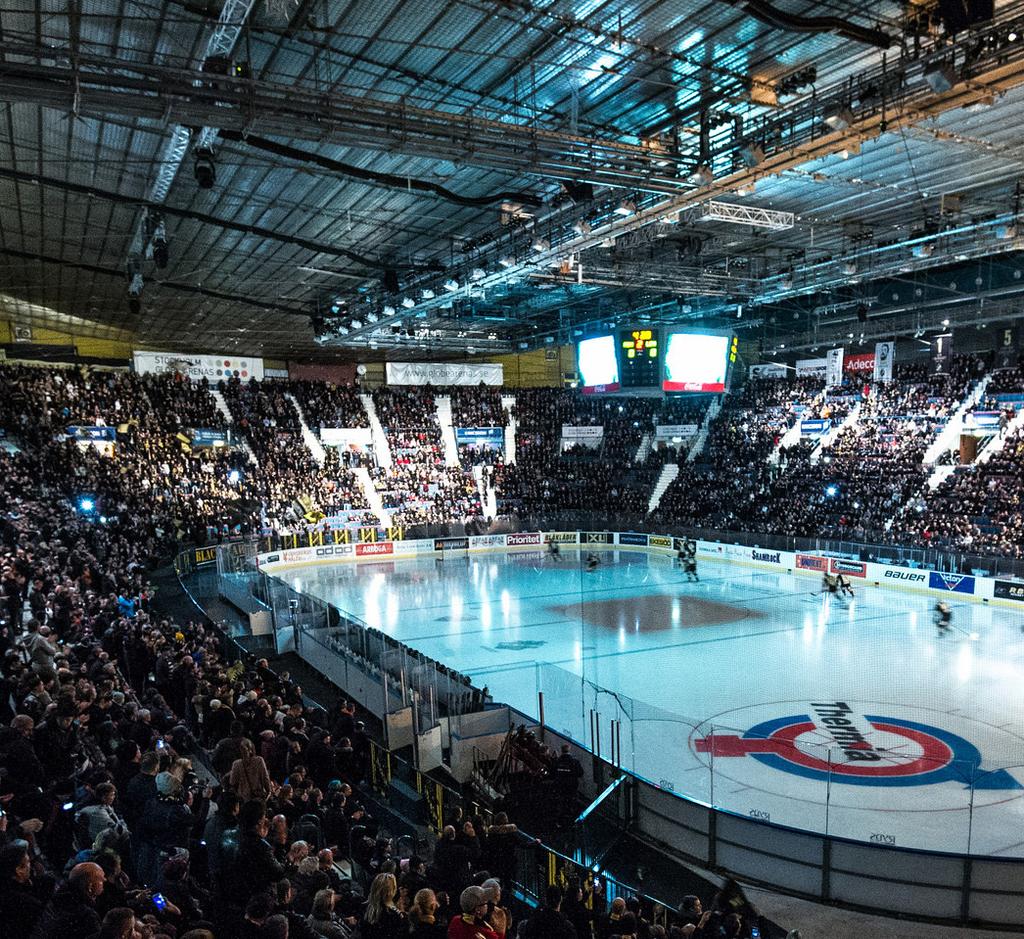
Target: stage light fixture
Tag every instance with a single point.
(388, 311)
(451, 285)
(205, 170)
(702, 176)
(751, 154)
(940, 77)
(581, 227)
(478, 273)
(427, 294)
(838, 117)
(540, 244)
(408, 302)
(506, 261)
(372, 317)
(626, 208)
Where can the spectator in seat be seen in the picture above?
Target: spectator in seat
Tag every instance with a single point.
(249, 777)
(323, 921)
(382, 919)
(423, 916)
(549, 922)
(71, 912)
(471, 924)
(21, 901)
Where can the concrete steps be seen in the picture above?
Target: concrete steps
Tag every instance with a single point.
(373, 499)
(311, 440)
(443, 405)
(508, 402)
(379, 439)
(668, 474)
(222, 406)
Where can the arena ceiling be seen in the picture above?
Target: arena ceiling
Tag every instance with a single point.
(488, 175)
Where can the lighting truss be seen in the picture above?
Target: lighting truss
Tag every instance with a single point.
(714, 211)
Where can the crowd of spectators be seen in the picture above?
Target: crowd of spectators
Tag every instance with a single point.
(328, 405)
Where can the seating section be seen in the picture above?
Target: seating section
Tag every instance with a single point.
(870, 484)
(419, 488)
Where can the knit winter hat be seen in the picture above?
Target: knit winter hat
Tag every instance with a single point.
(471, 898)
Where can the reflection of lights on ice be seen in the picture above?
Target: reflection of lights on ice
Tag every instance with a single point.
(974, 637)
(676, 613)
(577, 651)
(506, 603)
(965, 664)
(485, 615)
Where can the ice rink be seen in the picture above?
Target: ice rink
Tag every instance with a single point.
(749, 690)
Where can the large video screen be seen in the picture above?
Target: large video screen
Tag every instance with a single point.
(598, 365)
(696, 362)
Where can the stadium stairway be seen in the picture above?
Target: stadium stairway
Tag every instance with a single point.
(508, 402)
(381, 450)
(488, 496)
(698, 442)
(643, 449)
(788, 439)
(833, 435)
(311, 440)
(668, 473)
(443, 404)
(996, 442)
(373, 499)
(222, 406)
(949, 436)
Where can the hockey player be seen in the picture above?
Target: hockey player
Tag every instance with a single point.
(592, 562)
(943, 617)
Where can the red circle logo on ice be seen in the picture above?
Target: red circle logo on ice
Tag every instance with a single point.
(834, 742)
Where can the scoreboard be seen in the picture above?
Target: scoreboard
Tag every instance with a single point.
(639, 358)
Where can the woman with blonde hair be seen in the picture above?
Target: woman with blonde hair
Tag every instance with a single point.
(249, 778)
(423, 916)
(382, 919)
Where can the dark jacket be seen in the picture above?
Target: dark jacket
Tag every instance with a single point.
(68, 914)
(140, 790)
(248, 865)
(547, 923)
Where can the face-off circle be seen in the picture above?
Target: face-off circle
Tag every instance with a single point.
(852, 744)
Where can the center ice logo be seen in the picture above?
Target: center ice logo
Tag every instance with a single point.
(866, 751)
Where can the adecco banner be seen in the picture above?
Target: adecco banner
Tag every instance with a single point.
(860, 364)
(660, 541)
(212, 367)
(423, 373)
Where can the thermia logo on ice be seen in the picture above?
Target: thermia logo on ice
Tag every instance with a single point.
(766, 557)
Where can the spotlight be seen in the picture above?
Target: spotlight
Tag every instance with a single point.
(427, 294)
(372, 317)
(161, 256)
(945, 322)
(388, 311)
(751, 154)
(478, 273)
(506, 261)
(940, 77)
(357, 324)
(205, 170)
(451, 285)
(540, 244)
(838, 117)
(625, 208)
(581, 227)
(1006, 232)
(408, 302)
(702, 176)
